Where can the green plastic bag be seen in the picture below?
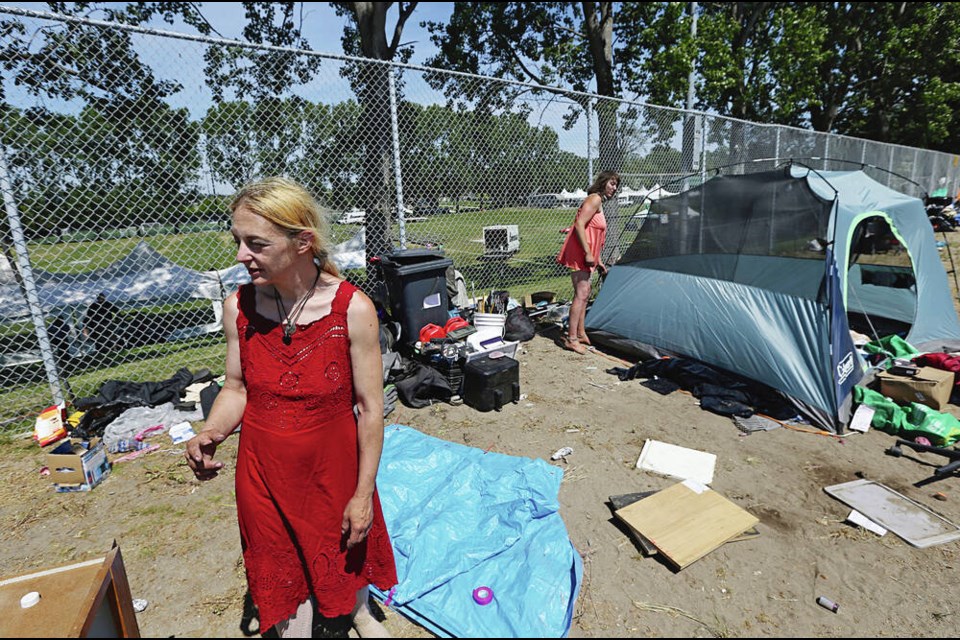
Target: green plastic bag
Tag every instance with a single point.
(893, 346)
(910, 421)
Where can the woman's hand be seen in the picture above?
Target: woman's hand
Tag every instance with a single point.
(589, 259)
(357, 520)
(199, 454)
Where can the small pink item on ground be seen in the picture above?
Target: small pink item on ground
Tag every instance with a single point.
(147, 432)
(483, 595)
(922, 440)
(136, 454)
(44, 471)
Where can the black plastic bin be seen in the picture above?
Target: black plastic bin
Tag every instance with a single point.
(416, 281)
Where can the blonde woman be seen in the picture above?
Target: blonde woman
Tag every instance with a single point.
(302, 349)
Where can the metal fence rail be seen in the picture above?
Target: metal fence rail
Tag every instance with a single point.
(120, 147)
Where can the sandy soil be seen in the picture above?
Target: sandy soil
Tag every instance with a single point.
(181, 548)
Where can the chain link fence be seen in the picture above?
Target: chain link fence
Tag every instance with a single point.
(121, 147)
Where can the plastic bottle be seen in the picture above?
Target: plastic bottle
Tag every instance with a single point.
(827, 603)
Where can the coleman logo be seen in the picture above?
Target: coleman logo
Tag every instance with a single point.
(845, 368)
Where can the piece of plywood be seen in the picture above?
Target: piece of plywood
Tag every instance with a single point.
(910, 520)
(677, 462)
(686, 521)
(622, 500)
(86, 599)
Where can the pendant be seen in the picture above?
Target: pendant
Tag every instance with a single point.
(288, 330)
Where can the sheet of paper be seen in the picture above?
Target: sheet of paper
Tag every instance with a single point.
(861, 520)
(677, 462)
(862, 418)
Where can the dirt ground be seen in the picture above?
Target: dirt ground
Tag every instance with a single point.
(181, 547)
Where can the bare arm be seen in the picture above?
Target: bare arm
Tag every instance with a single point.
(367, 369)
(590, 207)
(227, 409)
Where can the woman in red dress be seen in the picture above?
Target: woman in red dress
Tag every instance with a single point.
(302, 350)
(581, 252)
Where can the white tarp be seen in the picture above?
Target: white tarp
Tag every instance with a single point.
(144, 276)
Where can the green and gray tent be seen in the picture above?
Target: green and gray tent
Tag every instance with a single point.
(762, 275)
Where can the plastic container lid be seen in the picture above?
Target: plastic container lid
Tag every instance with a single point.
(29, 600)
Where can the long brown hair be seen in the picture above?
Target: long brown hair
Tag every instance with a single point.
(600, 184)
(288, 205)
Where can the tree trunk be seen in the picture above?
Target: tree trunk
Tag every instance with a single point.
(599, 30)
(374, 97)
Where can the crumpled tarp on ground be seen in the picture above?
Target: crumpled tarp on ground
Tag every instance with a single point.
(460, 518)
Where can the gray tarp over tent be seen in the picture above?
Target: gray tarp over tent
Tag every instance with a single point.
(752, 274)
(144, 276)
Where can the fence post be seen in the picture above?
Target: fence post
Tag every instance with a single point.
(913, 169)
(589, 141)
(703, 149)
(401, 215)
(29, 285)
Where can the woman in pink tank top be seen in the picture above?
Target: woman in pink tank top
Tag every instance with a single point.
(581, 252)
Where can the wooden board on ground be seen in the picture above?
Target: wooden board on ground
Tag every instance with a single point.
(686, 521)
(626, 499)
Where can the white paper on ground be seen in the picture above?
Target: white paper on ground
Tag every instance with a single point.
(862, 418)
(695, 486)
(861, 520)
(181, 432)
(677, 462)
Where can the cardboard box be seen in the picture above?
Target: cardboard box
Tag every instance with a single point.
(930, 386)
(75, 468)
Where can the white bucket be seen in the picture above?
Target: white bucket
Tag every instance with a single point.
(488, 325)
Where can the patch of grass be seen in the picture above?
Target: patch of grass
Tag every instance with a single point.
(160, 510)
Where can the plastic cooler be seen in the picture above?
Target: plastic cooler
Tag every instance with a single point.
(416, 281)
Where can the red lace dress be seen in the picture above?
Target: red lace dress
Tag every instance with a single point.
(572, 254)
(297, 467)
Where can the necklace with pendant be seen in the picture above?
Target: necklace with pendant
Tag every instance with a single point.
(289, 322)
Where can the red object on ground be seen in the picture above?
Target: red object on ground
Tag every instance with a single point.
(432, 331)
(943, 361)
(455, 323)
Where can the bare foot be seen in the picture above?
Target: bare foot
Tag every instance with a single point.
(584, 339)
(573, 344)
(369, 627)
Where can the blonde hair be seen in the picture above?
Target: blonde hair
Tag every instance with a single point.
(288, 205)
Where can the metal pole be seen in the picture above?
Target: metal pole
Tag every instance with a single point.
(776, 147)
(703, 149)
(890, 168)
(589, 141)
(29, 285)
(913, 169)
(401, 215)
(693, 71)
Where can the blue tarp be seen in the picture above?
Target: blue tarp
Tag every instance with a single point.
(460, 518)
